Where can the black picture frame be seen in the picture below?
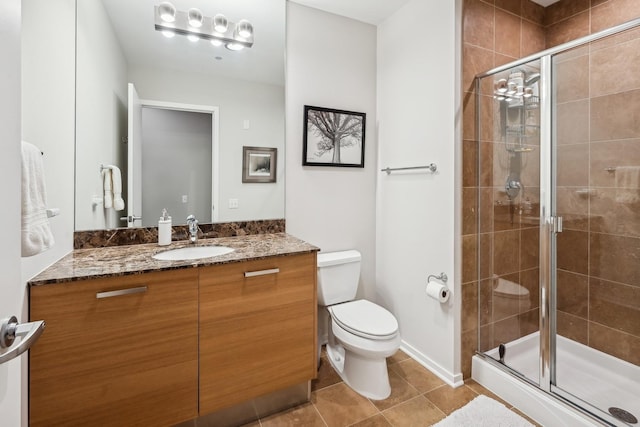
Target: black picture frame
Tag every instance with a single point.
(259, 164)
(322, 126)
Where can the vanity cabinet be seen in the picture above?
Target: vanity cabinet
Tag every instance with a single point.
(116, 351)
(258, 330)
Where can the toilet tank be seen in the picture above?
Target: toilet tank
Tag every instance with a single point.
(338, 275)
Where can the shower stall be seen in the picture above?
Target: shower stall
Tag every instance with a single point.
(558, 228)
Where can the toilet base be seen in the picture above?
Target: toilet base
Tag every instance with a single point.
(366, 376)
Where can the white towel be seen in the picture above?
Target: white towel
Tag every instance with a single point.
(106, 185)
(36, 233)
(116, 181)
(627, 184)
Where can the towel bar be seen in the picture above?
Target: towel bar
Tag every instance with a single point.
(51, 212)
(432, 167)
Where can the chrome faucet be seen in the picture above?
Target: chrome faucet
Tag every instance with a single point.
(192, 222)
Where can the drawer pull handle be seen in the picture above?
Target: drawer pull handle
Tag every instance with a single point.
(261, 272)
(119, 292)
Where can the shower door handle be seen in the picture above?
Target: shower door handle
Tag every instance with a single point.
(556, 224)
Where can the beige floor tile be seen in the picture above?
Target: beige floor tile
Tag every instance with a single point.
(448, 399)
(399, 356)
(401, 391)
(326, 375)
(340, 406)
(253, 424)
(416, 375)
(375, 421)
(415, 412)
(303, 415)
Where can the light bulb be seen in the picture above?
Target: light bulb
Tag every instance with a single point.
(220, 23)
(216, 42)
(234, 46)
(167, 12)
(245, 29)
(193, 38)
(195, 17)
(168, 34)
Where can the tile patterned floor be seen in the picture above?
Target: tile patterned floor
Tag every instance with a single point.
(418, 398)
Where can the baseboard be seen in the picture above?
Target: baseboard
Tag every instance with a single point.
(454, 380)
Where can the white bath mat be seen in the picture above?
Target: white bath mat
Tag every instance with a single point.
(483, 412)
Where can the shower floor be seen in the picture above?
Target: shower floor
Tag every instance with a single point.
(588, 374)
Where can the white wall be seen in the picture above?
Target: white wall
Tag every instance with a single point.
(11, 289)
(416, 212)
(101, 114)
(238, 100)
(331, 62)
(48, 99)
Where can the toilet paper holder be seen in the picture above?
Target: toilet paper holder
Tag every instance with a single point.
(442, 277)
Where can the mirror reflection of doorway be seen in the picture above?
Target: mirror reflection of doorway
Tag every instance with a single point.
(176, 164)
(172, 161)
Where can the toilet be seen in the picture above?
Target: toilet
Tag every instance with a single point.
(361, 334)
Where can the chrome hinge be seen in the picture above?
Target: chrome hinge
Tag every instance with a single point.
(556, 224)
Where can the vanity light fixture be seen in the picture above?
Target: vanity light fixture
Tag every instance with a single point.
(195, 17)
(220, 23)
(167, 12)
(193, 24)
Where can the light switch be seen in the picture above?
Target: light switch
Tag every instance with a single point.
(245, 124)
(185, 198)
(233, 203)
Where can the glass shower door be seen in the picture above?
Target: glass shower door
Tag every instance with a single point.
(596, 157)
(508, 107)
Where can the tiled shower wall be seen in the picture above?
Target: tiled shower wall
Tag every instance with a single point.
(592, 253)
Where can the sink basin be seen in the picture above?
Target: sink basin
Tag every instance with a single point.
(192, 252)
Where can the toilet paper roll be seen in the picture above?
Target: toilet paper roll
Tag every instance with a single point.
(438, 291)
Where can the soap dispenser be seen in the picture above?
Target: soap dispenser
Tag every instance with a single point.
(164, 229)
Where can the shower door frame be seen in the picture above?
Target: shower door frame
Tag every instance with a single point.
(550, 225)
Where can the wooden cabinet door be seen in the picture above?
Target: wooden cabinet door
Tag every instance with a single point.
(120, 360)
(258, 333)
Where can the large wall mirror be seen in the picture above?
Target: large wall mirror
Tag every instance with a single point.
(173, 115)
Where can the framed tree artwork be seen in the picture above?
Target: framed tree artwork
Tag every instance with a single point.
(333, 137)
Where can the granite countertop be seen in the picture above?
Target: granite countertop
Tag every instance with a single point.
(136, 259)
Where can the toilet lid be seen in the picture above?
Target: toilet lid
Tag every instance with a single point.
(365, 319)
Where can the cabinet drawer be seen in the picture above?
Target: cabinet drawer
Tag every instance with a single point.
(116, 351)
(258, 331)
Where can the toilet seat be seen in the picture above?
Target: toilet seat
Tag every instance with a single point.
(365, 319)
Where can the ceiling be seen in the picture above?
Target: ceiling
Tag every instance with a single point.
(370, 11)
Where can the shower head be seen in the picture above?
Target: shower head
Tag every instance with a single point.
(532, 78)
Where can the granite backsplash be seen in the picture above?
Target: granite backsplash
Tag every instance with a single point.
(141, 235)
